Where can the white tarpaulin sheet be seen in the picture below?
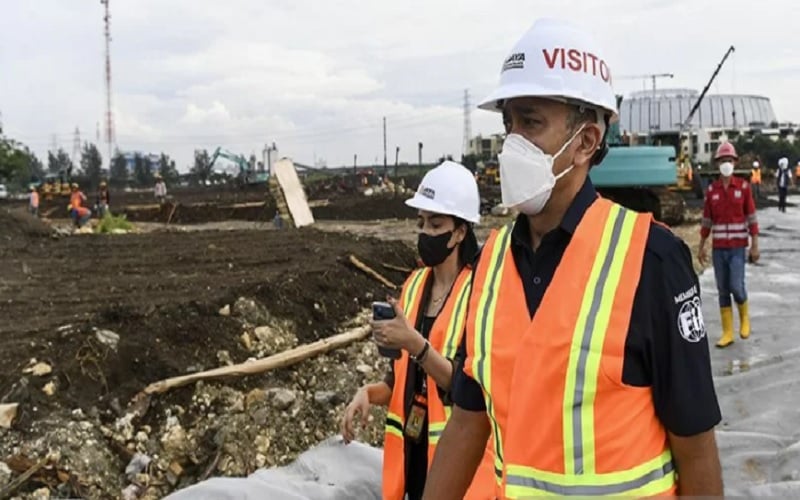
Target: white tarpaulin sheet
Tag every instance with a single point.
(758, 380)
(758, 385)
(293, 192)
(330, 471)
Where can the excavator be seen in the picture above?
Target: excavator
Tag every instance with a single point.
(649, 178)
(248, 174)
(638, 177)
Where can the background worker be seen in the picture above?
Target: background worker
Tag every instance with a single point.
(755, 179)
(783, 179)
(427, 329)
(729, 214)
(542, 366)
(160, 190)
(797, 171)
(33, 202)
(103, 199)
(79, 214)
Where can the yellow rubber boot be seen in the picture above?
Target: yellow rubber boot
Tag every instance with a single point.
(727, 327)
(744, 320)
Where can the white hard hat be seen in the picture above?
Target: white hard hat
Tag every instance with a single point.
(755, 164)
(783, 162)
(556, 59)
(449, 189)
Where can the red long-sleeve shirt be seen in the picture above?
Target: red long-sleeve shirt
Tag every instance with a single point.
(730, 214)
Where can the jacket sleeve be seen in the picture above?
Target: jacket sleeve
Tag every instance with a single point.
(706, 222)
(750, 211)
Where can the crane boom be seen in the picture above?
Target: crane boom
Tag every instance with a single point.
(705, 90)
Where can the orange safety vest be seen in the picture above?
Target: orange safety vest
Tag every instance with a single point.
(571, 426)
(797, 172)
(76, 200)
(34, 199)
(444, 337)
(755, 176)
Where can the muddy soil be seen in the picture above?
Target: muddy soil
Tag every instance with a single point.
(365, 208)
(161, 293)
(182, 213)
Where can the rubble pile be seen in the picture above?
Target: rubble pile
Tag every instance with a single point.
(208, 429)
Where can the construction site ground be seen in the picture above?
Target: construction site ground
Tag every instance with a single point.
(88, 321)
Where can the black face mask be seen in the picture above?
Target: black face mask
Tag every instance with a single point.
(433, 250)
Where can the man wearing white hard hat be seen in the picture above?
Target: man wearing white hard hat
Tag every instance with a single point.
(423, 337)
(783, 179)
(585, 358)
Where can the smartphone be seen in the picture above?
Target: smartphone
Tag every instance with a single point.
(381, 311)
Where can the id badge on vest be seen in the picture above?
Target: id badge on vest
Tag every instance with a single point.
(415, 420)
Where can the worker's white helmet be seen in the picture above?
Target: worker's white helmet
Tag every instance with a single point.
(556, 59)
(756, 164)
(783, 162)
(449, 189)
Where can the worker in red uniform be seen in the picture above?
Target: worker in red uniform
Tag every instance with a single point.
(729, 216)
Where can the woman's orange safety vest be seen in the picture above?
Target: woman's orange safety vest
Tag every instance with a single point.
(444, 337)
(755, 176)
(563, 421)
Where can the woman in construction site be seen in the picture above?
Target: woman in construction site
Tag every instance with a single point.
(426, 331)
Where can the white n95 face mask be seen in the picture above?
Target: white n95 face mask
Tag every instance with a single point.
(526, 173)
(726, 169)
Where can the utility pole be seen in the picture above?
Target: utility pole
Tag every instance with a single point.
(396, 159)
(109, 115)
(419, 153)
(384, 147)
(76, 147)
(467, 123)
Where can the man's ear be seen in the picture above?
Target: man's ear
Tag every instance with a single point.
(589, 142)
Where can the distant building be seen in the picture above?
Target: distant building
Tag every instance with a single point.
(486, 146)
(722, 117)
(151, 160)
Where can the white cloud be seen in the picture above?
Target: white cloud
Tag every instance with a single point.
(317, 77)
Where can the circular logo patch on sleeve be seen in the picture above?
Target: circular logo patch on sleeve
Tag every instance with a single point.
(690, 320)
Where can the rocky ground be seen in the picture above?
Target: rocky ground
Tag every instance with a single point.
(90, 320)
(93, 319)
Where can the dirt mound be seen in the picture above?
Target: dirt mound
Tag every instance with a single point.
(366, 208)
(162, 293)
(17, 223)
(107, 315)
(206, 212)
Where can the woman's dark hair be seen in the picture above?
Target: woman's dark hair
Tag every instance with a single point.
(469, 246)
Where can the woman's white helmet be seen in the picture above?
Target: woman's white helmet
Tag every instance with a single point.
(558, 60)
(449, 189)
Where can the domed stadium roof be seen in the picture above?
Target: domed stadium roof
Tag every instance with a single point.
(642, 111)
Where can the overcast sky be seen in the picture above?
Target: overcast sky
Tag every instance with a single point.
(317, 76)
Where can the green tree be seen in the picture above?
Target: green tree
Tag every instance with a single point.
(202, 166)
(167, 169)
(142, 171)
(119, 170)
(59, 163)
(18, 165)
(91, 164)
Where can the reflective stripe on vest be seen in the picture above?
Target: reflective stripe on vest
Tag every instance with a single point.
(444, 337)
(394, 472)
(612, 240)
(481, 362)
(454, 330)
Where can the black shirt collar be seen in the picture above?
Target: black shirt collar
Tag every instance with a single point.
(521, 234)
